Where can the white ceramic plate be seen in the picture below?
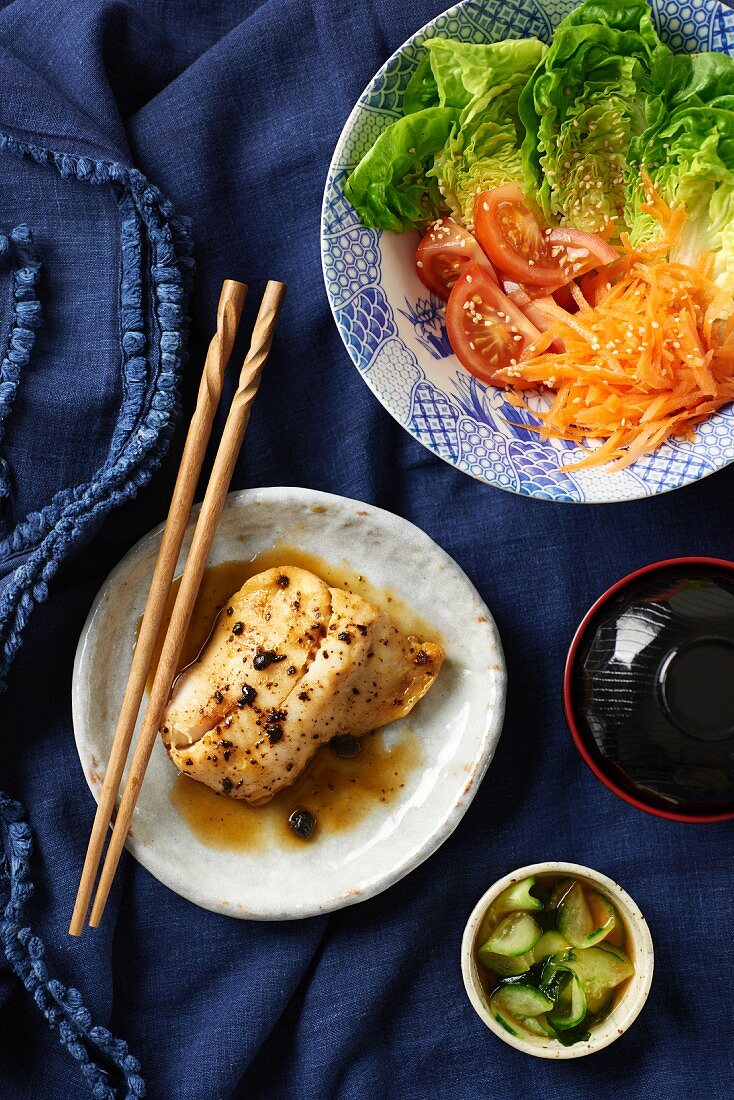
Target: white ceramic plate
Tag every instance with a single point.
(458, 723)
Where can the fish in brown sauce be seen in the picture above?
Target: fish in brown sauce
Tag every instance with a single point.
(290, 664)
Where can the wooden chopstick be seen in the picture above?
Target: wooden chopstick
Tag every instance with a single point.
(206, 525)
(229, 311)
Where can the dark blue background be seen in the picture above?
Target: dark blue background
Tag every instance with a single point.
(233, 110)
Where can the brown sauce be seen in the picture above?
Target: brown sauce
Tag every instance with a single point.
(338, 792)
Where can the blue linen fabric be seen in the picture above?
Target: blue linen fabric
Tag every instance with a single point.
(232, 111)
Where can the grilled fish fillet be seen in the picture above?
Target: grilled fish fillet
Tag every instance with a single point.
(290, 664)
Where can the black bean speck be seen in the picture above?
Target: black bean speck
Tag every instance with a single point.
(345, 745)
(362, 629)
(421, 657)
(266, 657)
(274, 732)
(248, 696)
(238, 628)
(230, 610)
(218, 696)
(303, 823)
(283, 581)
(344, 636)
(226, 784)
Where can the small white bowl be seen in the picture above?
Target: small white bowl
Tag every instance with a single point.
(629, 1005)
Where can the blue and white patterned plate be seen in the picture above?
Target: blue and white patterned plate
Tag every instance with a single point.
(394, 329)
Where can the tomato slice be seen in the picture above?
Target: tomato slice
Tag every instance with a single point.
(564, 298)
(578, 252)
(513, 238)
(487, 331)
(595, 283)
(445, 251)
(530, 300)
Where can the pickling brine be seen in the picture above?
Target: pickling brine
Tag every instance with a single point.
(554, 957)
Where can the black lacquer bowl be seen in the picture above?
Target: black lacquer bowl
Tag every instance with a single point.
(649, 689)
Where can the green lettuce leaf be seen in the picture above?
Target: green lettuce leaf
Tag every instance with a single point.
(601, 81)
(484, 149)
(688, 154)
(465, 72)
(460, 135)
(389, 188)
(422, 90)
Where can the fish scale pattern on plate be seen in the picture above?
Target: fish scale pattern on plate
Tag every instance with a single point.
(385, 333)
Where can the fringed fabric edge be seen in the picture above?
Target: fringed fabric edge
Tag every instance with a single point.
(141, 436)
(92, 1047)
(149, 408)
(25, 320)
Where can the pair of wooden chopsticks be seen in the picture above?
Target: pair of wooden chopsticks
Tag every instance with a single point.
(220, 349)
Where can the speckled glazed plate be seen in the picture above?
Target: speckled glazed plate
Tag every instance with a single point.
(456, 726)
(395, 330)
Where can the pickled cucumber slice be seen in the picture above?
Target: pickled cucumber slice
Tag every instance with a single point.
(516, 934)
(578, 924)
(519, 1000)
(599, 969)
(506, 966)
(550, 943)
(518, 897)
(570, 1007)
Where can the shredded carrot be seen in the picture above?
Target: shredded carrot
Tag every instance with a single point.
(650, 360)
(578, 295)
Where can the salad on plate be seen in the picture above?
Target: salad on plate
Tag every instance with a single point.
(576, 209)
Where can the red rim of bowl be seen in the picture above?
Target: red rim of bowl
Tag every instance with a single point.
(598, 771)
